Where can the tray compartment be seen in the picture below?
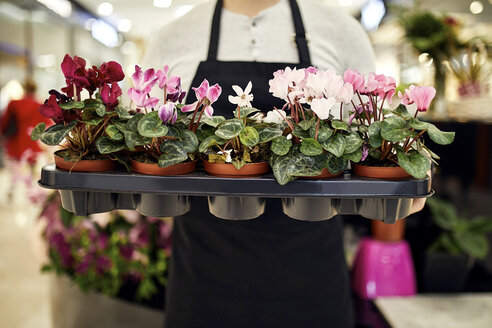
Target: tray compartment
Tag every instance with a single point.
(161, 205)
(236, 208)
(83, 203)
(310, 209)
(388, 210)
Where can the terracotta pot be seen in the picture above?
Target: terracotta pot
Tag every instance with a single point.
(393, 172)
(325, 174)
(388, 231)
(98, 165)
(227, 170)
(154, 169)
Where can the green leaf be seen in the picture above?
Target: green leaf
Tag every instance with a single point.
(280, 145)
(355, 157)
(336, 164)
(213, 121)
(402, 111)
(172, 153)
(449, 244)
(374, 131)
(56, 133)
(353, 142)
(122, 112)
(38, 131)
(339, 125)
(204, 131)
(476, 245)
(246, 111)
(122, 126)
(279, 169)
(114, 133)
(436, 135)
(107, 146)
(443, 213)
(311, 147)
(230, 129)
(395, 129)
(300, 133)
(481, 224)
(151, 126)
(123, 160)
(96, 106)
(249, 136)
(302, 165)
(94, 121)
(209, 142)
(72, 105)
(324, 133)
(189, 141)
(307, 124)
(238, 163)
(268, 133)
(335, 145)
(133, 139)
(414, 164)
(133, 122)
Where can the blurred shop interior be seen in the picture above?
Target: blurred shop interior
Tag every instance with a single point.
(35, 35)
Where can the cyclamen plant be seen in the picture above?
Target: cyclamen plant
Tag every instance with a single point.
(80, 123)
(165, 134)
(315, 136)
(240, 140)
(394, 137)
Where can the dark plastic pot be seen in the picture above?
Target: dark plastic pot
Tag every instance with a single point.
(446, 273)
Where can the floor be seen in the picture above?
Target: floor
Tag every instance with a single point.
(22, 286)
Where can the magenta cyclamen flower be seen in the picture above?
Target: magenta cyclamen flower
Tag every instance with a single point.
(143, 83)
(206, 93)
(168, 113)
(110, 94)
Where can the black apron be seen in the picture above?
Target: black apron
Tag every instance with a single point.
(272, 271)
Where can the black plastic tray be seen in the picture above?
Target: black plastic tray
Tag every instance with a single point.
(230, 198)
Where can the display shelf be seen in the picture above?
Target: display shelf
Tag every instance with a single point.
(237, 199)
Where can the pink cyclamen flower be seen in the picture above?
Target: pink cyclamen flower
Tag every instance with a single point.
(209, 95)
(422, 96)
(406, 98)
(171, 84)
(345, 93)
(322, 107)
(167, 112)
(355, 78)
(143, 83)
(386, 87)
(370, 86)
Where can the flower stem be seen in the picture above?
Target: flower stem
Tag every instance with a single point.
(363, 107)
(317, 129)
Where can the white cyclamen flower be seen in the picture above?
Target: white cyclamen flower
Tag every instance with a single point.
(322, 107)
(243, 98)
(289, 136)
(275, 116)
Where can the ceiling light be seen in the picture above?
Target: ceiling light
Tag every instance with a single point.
(88, 23)
(476, 7)
(105, 33)
(105, 9)
(162, 3)
(124, 25)
(61, 7)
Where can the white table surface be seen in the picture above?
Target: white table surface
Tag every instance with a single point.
(438, 310)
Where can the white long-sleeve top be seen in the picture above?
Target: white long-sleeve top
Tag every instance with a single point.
(336, 39)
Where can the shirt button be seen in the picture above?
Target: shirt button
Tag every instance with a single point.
(253, 41)
(253, 23)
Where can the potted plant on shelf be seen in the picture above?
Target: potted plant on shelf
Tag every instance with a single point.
(314, 142)
(237, 147)
(160, 136)
(450, 257)
(80, 123)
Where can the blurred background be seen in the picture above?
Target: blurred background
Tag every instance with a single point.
(445, 43)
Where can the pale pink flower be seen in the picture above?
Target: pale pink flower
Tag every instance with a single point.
(370, 85)
(355, 78)
(345, 93)
(406, 98)
(422, 96)
(172, 84)
(322, 107)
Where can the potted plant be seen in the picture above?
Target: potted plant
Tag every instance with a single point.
(80, 123)
(160, 136)
(450, 257)
(238, 147)
(314, 142)
(393, 145)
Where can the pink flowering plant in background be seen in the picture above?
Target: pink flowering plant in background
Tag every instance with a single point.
(240, 140)
(160, 126)
(108, 253)
(392, 137)
(315, 135)
(82, 110)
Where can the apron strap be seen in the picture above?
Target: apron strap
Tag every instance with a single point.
(300, 34)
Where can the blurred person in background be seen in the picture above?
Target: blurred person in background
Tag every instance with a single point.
(17, 122)
(272, 271)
